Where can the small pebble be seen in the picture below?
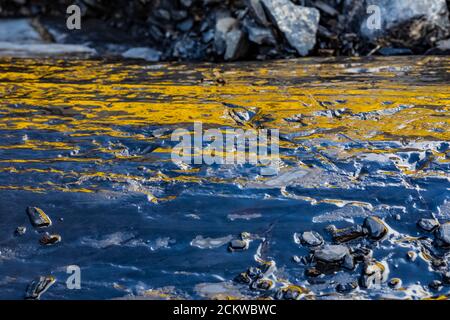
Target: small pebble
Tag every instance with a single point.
(311, 238)
(436, 285)
(375, 227)
(443, 235)
(50, 239)
(395, 283)
(412, 256)
(20, 231)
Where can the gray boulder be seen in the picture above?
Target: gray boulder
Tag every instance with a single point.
(298, 24)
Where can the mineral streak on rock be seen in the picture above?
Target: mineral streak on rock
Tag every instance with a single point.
(50, 239)
(39, 287)
(38, 218)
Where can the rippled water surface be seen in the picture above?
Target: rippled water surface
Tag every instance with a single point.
(89, 142)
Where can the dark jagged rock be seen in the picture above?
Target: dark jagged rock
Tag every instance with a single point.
(38, 218)
(298, 24)
(375, 227)
(38, 287)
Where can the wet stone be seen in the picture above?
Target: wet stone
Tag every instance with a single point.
(50, 239)
(20, 231)
(443, 235)
(263, 284)
(436, 285)
(446, 278)
(395, 283)
(428, 224)
(312, 272)
(240, 244)
(39, 286)
(346, 234)
(291, 293)
(311, 238)
(144, 53)
(412, 256)
(349, 262)
(346, 287)
(374, 273)
(375, 227)
(38, 218)
(331, 253)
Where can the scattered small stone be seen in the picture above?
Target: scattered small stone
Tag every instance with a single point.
(374, 273)
(50, 239)
(38, 218)
(443, 235)
(20, 231)
(292, 293)
(412, 256)
(428, 225)
(312, 272)
(262, 284)
(346, 287)
(375, 227)
(436, 285)
(240, 244)
(311, 238)
(38, 287)
(395, 283)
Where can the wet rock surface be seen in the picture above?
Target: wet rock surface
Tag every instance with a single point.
(96, 159)
(38, 217)
(375, 227)
(443, 235)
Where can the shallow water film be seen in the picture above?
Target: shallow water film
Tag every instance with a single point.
(358, 209)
